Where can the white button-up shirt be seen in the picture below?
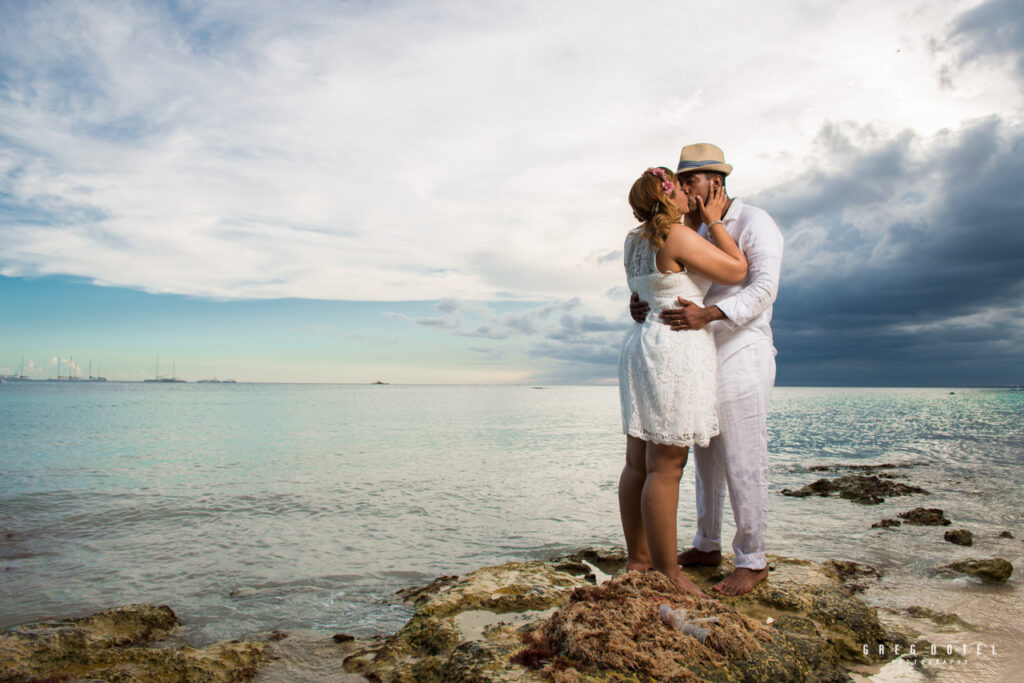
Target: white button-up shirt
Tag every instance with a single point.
(747, 305)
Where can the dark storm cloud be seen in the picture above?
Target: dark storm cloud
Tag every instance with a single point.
(904, 259)
(992, 30)
(904, 266)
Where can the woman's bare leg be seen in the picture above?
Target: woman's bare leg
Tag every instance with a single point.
(631, 487)
(659, 504)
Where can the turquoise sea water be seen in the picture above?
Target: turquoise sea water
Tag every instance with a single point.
(253, 507)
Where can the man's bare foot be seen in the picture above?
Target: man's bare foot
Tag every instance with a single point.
(638, 566)
(740, 581)
(711, 558)
(684, 583)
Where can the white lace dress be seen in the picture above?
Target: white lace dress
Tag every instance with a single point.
(666, 377)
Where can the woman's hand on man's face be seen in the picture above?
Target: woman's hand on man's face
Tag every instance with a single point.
(713, 210)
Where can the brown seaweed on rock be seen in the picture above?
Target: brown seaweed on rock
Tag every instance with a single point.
(616, 627)
(540, 623)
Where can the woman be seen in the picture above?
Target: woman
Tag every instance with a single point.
(666, 377)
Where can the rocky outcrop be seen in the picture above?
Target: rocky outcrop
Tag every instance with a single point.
(467, 629)
(851, 574)
(944, 620)
(959, 537)
(112, 645)
(546, 621)
(866, 469)
(886, 524)
(866, 489)
(995, 570)
(925, 517)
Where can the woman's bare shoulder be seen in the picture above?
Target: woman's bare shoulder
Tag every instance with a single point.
(680, 234)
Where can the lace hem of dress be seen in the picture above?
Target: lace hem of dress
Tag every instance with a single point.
(686, 440)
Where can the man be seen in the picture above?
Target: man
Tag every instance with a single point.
(740, 317)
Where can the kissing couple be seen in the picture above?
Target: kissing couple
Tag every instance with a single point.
(698, 368)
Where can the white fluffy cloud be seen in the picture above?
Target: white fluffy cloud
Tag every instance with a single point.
(418, 150)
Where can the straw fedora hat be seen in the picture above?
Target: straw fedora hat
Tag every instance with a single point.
(702, 157)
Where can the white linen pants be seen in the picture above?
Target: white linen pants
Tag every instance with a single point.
(737, 458)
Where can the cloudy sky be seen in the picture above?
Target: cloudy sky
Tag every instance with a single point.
(435, 191)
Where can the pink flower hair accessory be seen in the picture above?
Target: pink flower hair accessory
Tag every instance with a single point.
(660, 173)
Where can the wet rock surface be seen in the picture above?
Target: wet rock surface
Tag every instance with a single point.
(121, 644)
(866, 469)
(532, 621)
(467, 629)
(925, 517)
(994, 570)
(607, 560)
(866, 489)
(853, 576)
(416, 595)
(959, 537)
(886, 524)
(947, 620)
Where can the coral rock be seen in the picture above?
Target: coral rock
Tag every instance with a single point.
(530, 622)
(886, 523)
(107, 646)
(432, 646)
(959, 537)
(995, 570)
(925, 517)
(869, 490)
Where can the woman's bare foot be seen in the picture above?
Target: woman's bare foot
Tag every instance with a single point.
(683, 582)
(740, 581)
(711, 558)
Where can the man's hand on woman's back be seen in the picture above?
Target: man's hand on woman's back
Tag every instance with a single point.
(638, 308)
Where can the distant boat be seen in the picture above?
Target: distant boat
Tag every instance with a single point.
(164, 380)
(378, 382)
(216, 381)
(98, 377)
(68, 377)
(20, 377)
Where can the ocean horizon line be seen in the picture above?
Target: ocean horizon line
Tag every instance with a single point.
(86, 380)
